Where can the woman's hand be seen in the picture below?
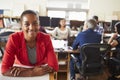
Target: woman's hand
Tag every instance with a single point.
(41, 70)
(112, 38)
(15, 71)
(112, 41)
(114, 35)
(36, 71)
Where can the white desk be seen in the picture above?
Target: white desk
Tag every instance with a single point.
(44, 77)
(59, 44)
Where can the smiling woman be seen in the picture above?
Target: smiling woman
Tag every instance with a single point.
(29, 48)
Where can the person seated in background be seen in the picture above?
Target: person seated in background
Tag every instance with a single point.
(99, 28)
(61, 32)
(114, 41)
(30, 48)
(87, 36)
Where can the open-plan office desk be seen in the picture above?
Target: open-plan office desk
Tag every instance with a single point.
(44, 77)
(49, 76)
(63, 54)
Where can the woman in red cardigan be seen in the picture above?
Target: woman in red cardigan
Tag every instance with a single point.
(29, 48)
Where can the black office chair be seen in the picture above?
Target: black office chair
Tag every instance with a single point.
(71, 40)
(114, 65)
(92, 58)
(3, 39)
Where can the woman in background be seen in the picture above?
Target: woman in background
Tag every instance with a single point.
(114, 41)
(30, 47)
(61, 32)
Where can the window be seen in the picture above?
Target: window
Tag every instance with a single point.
(81, 16)
(69, 15)
(58, 14)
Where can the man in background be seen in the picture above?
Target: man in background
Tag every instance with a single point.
(87, 36)
(99, 28)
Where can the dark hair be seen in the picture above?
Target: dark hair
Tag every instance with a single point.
(117, 25)
(59, 22)
(28, 12)
(95, 17)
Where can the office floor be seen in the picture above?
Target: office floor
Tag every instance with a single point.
(103, 76)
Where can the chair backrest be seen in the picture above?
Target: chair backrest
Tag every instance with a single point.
(4, 36)
(71, 40)
(92, 58)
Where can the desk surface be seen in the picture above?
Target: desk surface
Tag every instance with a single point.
(44, 77)
(61, 46)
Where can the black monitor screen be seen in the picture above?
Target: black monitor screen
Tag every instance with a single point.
(44, 20)
(75, 23)
(55, 22)
(1, 11)
(113, 24)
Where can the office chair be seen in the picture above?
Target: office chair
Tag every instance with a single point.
(71, 40)
(92, 59)
(3, 40)
(114, 65)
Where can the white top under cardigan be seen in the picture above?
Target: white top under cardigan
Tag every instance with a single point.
(61, 34)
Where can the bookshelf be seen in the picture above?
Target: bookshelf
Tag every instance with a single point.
(6, 21)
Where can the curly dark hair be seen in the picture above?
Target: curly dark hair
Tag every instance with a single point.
(117, 25)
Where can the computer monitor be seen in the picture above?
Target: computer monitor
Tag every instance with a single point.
(113, 25)
(76, 23)
(1, 11)
(44, 21)
(55, 22)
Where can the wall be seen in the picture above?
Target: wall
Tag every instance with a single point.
(105, 9)
(16, 7)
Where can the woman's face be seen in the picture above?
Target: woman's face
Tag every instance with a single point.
(30, 26)
(62, 22)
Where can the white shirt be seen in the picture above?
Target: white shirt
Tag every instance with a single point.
(61, 34)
